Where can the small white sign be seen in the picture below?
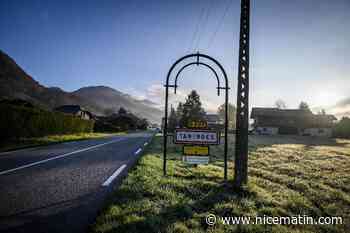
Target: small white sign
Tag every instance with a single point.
(196, 159)
(202, 137)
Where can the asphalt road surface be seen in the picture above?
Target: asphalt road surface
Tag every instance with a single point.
(61, 188)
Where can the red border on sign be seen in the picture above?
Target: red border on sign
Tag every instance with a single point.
(197, 143)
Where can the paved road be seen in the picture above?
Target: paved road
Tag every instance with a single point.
(60, 188)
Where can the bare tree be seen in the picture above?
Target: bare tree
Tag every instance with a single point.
(322, 112)
(231, 115)
(280, 104)
(304, 106)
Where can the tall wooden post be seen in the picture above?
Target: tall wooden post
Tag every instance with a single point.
(242, 122)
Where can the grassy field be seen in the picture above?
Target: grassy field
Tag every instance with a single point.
(41, 141)
(288, 176)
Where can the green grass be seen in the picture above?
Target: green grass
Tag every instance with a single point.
(41, 141)
(288, 176)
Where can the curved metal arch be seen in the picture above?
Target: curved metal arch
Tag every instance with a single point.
(165, 126)
(197, 55)
(197, 63)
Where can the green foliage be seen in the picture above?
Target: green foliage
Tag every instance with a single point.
(342, 128)
(191, 109)
(122, 111)
(231, 115)
(173, 120)
(122, 121)
(101, 125)
(20, 121)
(142, 124)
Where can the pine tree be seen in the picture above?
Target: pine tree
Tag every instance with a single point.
(192, 109)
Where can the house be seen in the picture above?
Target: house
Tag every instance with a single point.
(272, 121)
(214, 121)
(75, 110)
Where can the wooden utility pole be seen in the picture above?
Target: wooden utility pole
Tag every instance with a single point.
(242, 122)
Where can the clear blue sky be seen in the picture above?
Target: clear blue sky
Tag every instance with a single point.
(300, 49)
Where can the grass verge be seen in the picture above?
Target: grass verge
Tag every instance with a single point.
(288, 176)
(51, 139)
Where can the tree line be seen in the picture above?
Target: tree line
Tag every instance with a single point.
(192, 109)
(20, 119)
(120, 121)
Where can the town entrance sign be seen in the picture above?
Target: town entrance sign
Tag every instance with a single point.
(241, 143)
(196, 136)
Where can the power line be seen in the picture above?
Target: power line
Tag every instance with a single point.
(197, 34)
(220, 22)
(204, 24)
(196, 29)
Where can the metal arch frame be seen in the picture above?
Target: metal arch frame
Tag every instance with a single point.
(197, 63)
(226, 88)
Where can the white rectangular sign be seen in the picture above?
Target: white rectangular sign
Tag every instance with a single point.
(192, 136)
(196, 159)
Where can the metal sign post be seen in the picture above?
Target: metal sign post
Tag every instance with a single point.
(197, 62)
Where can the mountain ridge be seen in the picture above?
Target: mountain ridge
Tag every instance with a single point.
(16, 83)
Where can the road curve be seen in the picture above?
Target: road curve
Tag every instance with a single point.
(60, 188)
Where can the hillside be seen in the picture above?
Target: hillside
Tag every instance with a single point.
(16, 83)
(111, 99)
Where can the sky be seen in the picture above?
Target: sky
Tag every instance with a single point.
(299, 50)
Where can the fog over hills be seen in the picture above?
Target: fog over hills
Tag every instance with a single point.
(16, 83)
(111, 99)
(341, 109)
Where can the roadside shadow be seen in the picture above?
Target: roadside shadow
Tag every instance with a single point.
(61, 216)
(185, 210)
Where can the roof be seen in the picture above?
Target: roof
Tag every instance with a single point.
(212, 117)
(275, 112)
(72, 109)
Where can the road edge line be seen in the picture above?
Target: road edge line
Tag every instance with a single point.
(56, 157)
(114, 175)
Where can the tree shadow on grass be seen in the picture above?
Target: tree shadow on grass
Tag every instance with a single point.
(190, 207)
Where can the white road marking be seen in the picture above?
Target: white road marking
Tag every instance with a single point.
(114, 175)
(138, 151)
(57, 157)
(145, 144)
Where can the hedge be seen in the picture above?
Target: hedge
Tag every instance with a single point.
(24, 122)
(342, 128)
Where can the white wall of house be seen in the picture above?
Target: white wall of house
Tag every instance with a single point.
(318, 132)
(266, 130)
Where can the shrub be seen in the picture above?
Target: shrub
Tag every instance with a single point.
(21, 121)
(342, 128)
